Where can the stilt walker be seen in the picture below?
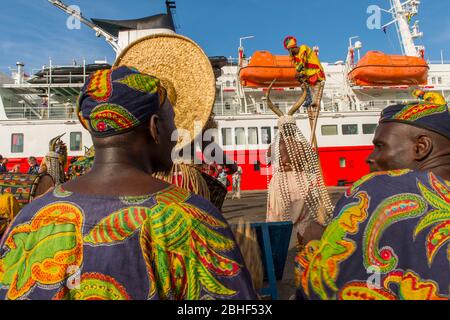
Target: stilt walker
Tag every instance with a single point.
(311, 75)
(297, 191)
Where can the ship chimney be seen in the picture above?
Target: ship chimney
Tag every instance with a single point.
(19, 78)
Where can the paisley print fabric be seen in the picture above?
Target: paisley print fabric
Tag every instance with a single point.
(168, 245)
(389, 240)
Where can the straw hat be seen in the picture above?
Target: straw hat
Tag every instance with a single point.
(185, 72)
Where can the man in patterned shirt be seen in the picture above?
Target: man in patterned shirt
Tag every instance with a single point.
(390, 236)
(117, 232)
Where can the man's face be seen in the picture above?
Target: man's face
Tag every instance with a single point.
(293, 51)
(31, 162)
(284, 155)
(393, 148)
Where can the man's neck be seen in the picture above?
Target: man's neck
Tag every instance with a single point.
(115, 173)
(440, 166)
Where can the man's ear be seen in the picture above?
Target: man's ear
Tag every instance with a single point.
(154, 130)
(423, 147)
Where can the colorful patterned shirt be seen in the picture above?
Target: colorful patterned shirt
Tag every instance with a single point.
(169, 245)
(390, 239)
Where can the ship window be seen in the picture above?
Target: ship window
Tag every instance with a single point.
(227, 106)
(329, 130)
(266, 137)
(234, 83)
(440, 80)
(239, 136)
(228, 83)
(226, 137)
(253, 135)
(342, 162)
(75, 141)
(369, 128)
(17, 143)
(433, 80)
(275, 131)
(349, 129)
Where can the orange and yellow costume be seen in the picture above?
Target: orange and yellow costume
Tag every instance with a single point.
(431, 97)
(306, 62)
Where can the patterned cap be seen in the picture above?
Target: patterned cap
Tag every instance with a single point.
(433, 117)
(116, 100)
(290, 42)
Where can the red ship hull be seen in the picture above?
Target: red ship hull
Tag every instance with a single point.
(340, 165)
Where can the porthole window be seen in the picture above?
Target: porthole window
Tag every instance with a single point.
(253, 135)
(239, 136)
(17, 143)
(75, 141)
(226, 137)
(349, 129)
(329, 130)
(266, 137)
(369, 128)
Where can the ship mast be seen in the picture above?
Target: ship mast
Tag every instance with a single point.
(402, 14)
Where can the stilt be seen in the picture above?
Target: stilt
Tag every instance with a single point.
(315, 112)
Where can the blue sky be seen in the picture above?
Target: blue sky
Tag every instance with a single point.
(34, 30)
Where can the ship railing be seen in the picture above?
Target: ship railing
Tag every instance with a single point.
(68, 79)
(234, 109)
(37, 112)
(438, 61)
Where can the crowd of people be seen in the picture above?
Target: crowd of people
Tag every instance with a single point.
(33, 168)
(125, 229)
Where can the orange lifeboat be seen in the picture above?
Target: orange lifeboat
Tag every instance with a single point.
(264, 67)
(377, 68)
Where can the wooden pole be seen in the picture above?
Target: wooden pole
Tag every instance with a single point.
(316, 113)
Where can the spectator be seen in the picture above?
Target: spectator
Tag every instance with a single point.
(237, 178)
(44, 108)
(389, 238)
(3, 162)
(223, 178)
(34, 167)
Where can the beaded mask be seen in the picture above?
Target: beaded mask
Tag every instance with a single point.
(303, 162)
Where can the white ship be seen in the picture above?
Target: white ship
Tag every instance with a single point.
(34, 110)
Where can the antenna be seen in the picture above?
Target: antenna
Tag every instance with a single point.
(402, 14)
(171, 7)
